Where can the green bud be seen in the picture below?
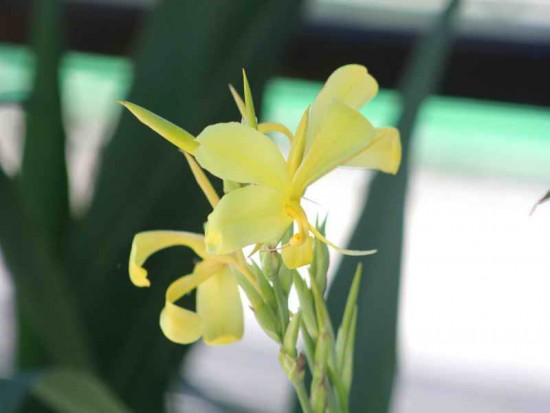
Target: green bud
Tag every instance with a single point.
(271, 262)
(347, 366)
(265, 287)
(294, 367)
(323, 318)
(288, 356)
(268, 321)
(252, 294)
(319, 382)
(319, 266)
(291, 335)
(286, 276)
(306, 306)
(347, 326)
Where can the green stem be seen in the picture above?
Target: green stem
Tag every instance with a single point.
(302, 396)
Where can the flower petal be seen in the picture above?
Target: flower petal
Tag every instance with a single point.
(172, 133)
(245, 216)
(220, 308)
(239, 153)
(177, 323)
(147, 243)
(351, 84)
(343, 133)
(383, 154)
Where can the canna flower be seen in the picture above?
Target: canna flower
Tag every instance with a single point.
(219, 314)
(331, 133)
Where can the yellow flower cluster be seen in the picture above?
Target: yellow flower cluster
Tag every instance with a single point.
(267, 200)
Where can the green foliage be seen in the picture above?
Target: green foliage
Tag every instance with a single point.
(71, 278)
(62, 390)
(381, 226)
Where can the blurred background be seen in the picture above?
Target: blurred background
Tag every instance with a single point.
(466, 314)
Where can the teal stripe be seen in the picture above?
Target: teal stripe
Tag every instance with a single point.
(456, 135)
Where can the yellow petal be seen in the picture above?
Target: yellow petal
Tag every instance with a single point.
(180, 325)
(298, 144)
(239, 153)
(177, 323)
(343, 133)
(245, 216)
(220, 309)
(147, 243)
(296, 256)
(383, 154)
(172, 133)
(351, 84)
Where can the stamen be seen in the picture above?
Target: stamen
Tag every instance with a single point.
(202, 180)
(238, 101)
(255, 249)
(354, 253)
(276, 127)
(297, 148)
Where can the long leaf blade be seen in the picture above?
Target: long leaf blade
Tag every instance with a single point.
(44, 186)
(44, 174)
(40, 286)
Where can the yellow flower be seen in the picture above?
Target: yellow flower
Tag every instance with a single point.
(219, 314)
(331, 133)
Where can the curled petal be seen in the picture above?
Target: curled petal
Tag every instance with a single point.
(245, 216)
(147, 243)
(177, 323)
(220, 308)
(343, 134)
(239, 153)
(383, 154)
(351, 84)
(172, 133)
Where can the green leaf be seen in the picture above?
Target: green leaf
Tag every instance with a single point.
(345, 337)
(249, 103)
(381, 226)
(40, 286)
(68, 391)
(44, 186)
(62, 390)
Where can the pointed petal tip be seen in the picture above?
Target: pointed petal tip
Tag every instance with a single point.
(138, 276)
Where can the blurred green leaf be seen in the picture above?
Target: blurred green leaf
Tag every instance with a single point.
(44, 187)
(381, 226)
(40, 285)
(190, 52)
(62, 390)
(68, 391)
